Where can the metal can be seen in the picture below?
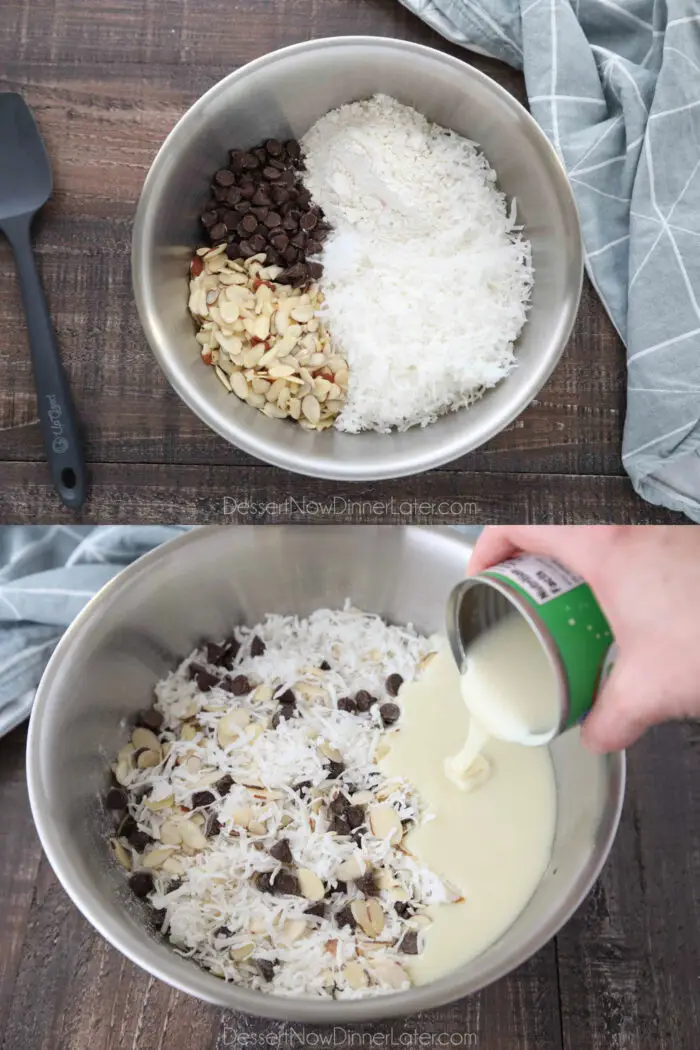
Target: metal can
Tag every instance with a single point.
(562, 612)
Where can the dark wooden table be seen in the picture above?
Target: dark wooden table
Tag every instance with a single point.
(107, 81)
(624, 974)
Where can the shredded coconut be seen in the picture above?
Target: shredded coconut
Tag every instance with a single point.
(214, 911)
(427, 276)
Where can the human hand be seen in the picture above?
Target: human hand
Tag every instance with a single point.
(647, 582)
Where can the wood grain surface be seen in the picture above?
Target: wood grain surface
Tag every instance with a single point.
(106, 82)
(622, 975)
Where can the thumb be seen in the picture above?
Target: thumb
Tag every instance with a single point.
(625, 709)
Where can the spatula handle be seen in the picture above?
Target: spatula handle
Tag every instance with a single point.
(59, 425)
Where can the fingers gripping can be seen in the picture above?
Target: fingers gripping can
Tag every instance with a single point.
(563, 613)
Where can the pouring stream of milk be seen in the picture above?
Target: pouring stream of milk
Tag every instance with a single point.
(510, 691)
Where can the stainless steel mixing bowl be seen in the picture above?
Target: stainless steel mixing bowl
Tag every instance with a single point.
(282, 95)
(198, 586)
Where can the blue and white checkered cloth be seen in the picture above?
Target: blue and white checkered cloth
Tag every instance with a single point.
(615, 85)
(47, 575)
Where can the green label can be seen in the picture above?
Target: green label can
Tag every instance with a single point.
(563, 613)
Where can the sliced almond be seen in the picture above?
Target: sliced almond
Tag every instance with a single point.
(239, 385)
(244, 952)
(280, 371)
(398, 893)
(330, 752)
(293, 929)
(147, 759)
(375, 916)
(192, 836)
(173, 866)
(419, 922)
(193, 764)
(170, 834)
(252, 357)
(390, 973)
(242, 816)
(121, 853)
(362, 798)
(311, 408)
(355, 975)
(189, 732)
(155, 804)
(125, 752)
(385, 823)
(351, 869)
(310, 885)
(142, 737)
(123, 770)
(230, 726)
(155, 857)
(384, 879)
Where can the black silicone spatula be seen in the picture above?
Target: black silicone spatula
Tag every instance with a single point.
(25, 185)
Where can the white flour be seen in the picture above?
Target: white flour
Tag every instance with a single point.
(427, 278)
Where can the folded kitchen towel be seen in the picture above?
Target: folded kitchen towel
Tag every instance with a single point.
(47, 575)
(615, 85)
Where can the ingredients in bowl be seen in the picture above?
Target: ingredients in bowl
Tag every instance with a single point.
(255, 821)
(265, 340)
(424, 272)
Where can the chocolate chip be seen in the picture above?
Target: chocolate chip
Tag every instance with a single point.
(202, 798)
(158, 917)
(318, 909)
(390, 713)
(287, 697)
(236, 156)
(315, 270)
(345, 917)
(355, 816)
(224, 785)
(279, 241)
(281, 851)
(309, 221)
(403, 908)
(223, 931)
(247, 190)
(230, 219)
(208, 218)
(279, 194)
(313, 247)
(272, 219)
(339, 804)
(299, 240)
(233, 196)
(250, 162)
(274, 147)
(243, 207)
(393, 684)
(297, 272)
(212, 826)
(364, 700)
(339, 825)
(172, 885)
(263, 882)
(229, 657)
(346, 703)
(273, 258)
(334, 769)
(290, 255)
(247, 225)
(290, 223)
(139, 840)
(367, 884)
(246, 250)
(293, 149)
(266, 969)
(258, 243)
(304, 198)
(261, 198)
(257, 646)
(224, 177)
(116, 798)
(272, 174)
(141, 883)
(220, 194)
(127, 826)
(302, 787)
(218, 232)
(286, 884)
(260, 153)
(215, 652)
(409, 943)
(283, 713)
(288, 178)
(324, 666)
(239, 686)
(205, 680)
